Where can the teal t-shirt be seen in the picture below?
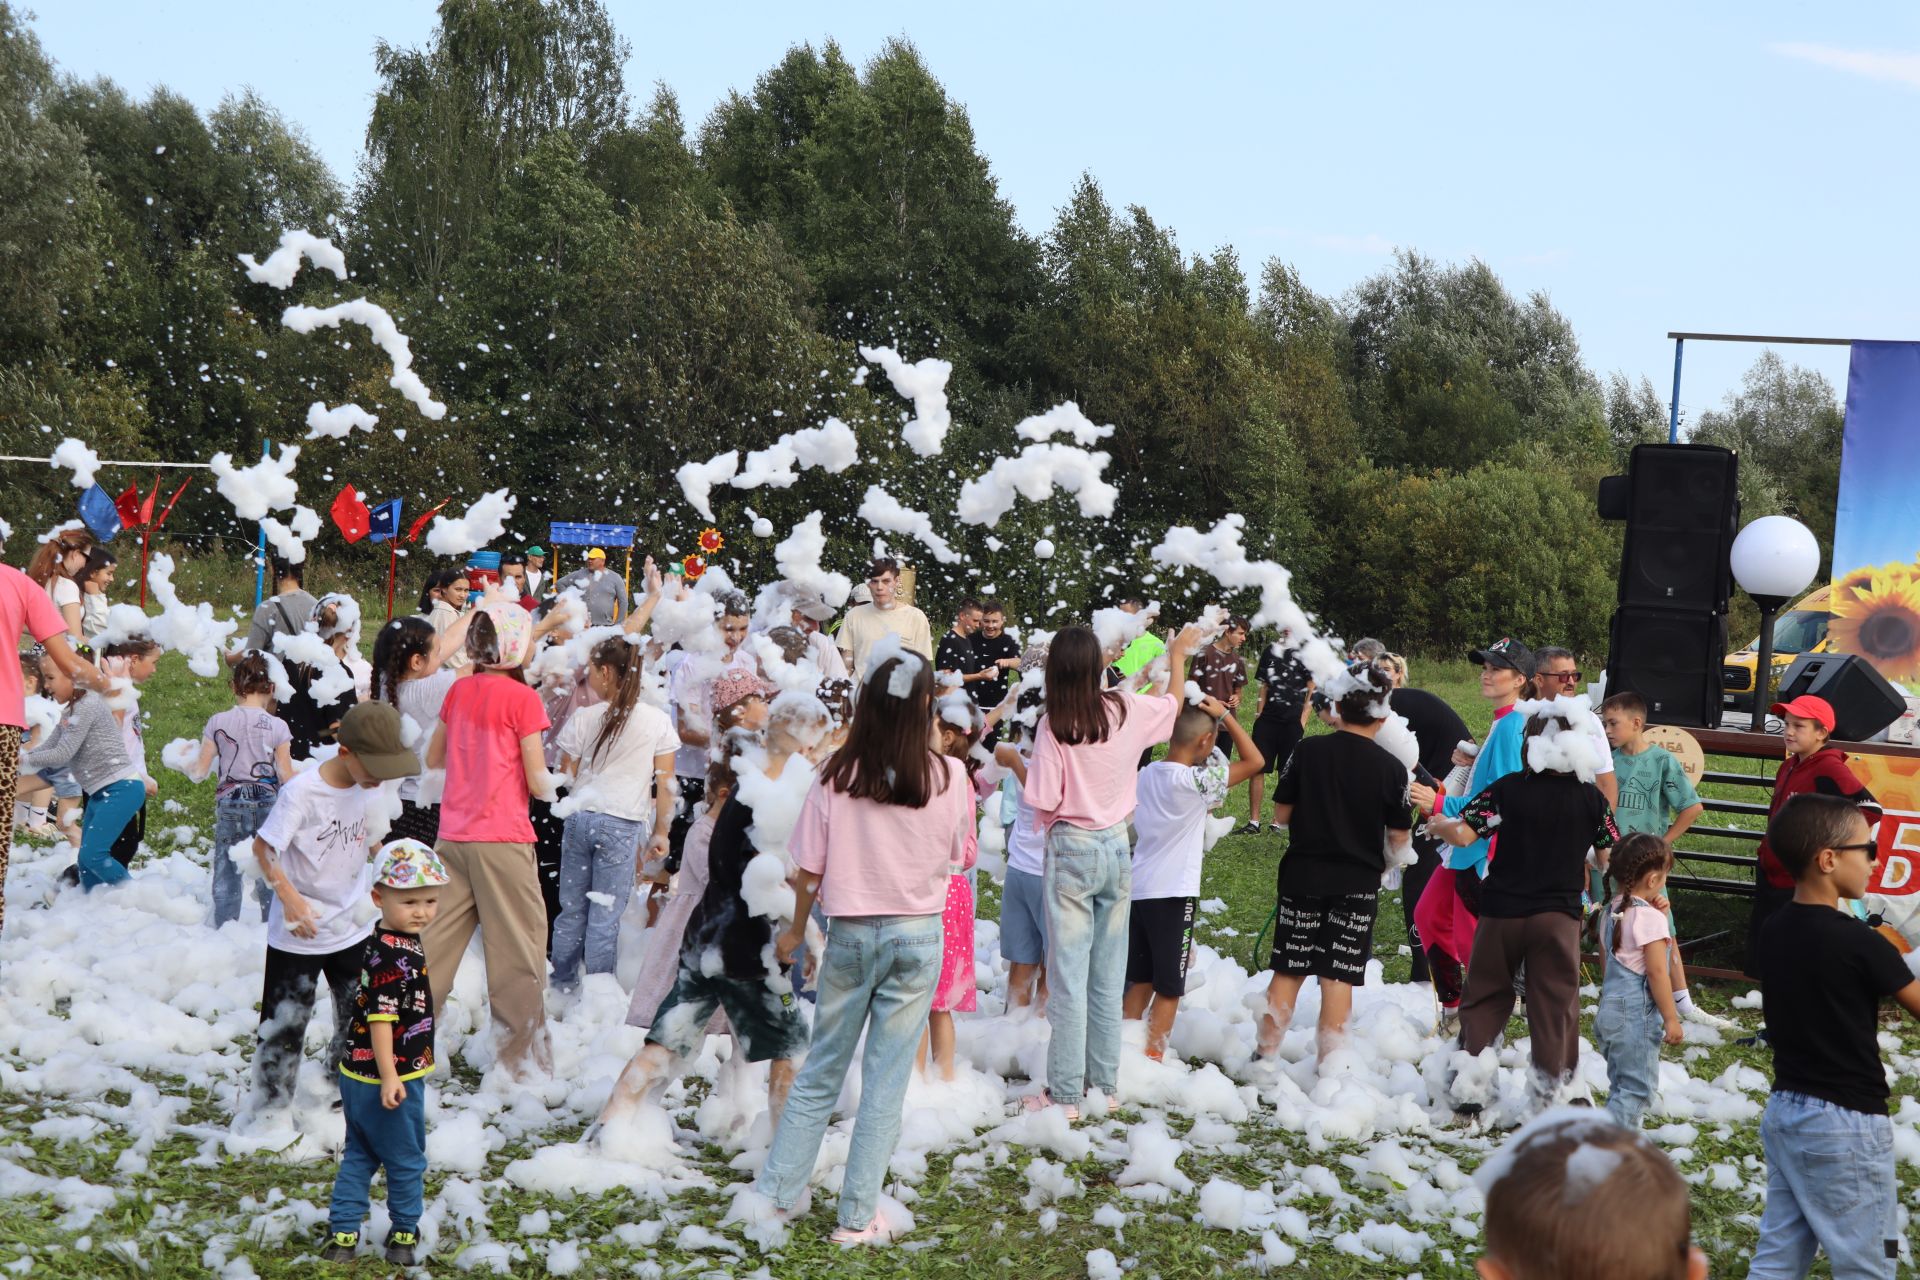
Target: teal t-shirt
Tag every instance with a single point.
(1653, 788)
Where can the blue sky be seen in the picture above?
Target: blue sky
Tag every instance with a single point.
(1713, 167)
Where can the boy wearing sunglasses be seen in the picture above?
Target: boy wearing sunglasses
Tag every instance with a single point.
(1828, 1140)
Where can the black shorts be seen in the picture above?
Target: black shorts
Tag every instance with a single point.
(1329, 938)
(1160, 943)
(1276, 737)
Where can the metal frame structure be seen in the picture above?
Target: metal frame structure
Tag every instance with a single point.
(1679, 349)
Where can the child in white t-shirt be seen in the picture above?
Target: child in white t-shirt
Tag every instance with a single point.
(1170, 825)
(1023, 897)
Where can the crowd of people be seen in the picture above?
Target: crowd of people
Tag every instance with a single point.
(802, 805)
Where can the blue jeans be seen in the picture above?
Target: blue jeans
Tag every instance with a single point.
(109, 810)
(597, 855)
(878, 976)
(237, 815)
(1830, 1182)
(377, 1138)
(1628, 1029)
(1089, 883)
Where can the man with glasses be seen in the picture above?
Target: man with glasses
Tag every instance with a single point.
(865, 624)
(1556, 674)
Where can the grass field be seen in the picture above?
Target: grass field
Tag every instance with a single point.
(183, 1208)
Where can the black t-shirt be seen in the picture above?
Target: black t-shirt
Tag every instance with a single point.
(722, 918)
(1287, 681)
(956, 652)
(1436, 726)
(1822, 977)
(991, 693)
(1543, 825)
(1346, 792)
(393, 988)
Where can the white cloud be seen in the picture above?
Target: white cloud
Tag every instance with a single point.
(1871, 64)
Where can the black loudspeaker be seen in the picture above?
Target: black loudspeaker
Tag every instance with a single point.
(1670, 657)
(1683, 510)
(1863, 702)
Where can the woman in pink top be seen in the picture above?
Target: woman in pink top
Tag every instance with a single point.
(488, 741)
(880, 827)
(1081, 784)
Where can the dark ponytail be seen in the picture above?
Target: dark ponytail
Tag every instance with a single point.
(394, 649)
(616, 655)
(1632, 858)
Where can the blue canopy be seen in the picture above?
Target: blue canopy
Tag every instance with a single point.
(570, 533)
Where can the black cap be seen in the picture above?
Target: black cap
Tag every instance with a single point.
(1505, 652)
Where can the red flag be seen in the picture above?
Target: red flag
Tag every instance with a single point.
(350, 515)
(413, 530)
(146, 508)
(128, 506)
(170, 501)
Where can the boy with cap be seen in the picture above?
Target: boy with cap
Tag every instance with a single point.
(1811, 766)
(312, 851)
(383, 1082)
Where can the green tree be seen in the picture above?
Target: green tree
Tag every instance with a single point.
(1636, 415)
(1786, 423)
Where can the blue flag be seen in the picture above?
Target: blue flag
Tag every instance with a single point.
(98, 513)
(384, 521)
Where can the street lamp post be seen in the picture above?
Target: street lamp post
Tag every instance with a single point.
(1774, 560)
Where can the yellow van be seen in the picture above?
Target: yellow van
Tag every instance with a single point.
(1801, 629)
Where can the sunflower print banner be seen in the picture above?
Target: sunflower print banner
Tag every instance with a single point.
(1876, 536)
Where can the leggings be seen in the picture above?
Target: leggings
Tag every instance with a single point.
(109, 813)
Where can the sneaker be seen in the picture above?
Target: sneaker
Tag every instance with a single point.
(1448, 1023)
(341, 1247)
(1041, 1101)
(1278, 828)
(400, 1246)
(1250, 829)
(874, 1232)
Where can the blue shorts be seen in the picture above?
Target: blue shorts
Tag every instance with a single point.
(64, 784)
(1023, 918)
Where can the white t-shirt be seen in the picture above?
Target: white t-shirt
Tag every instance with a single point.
(826, 655)
(692, 698)
(420, 703)
(65, 591)
(320, 834)
(620, 783)
(1170, 818)
(1026, 842)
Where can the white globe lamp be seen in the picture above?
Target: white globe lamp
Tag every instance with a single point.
(1774, 559)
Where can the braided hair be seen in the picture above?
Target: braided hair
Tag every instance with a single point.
(394, 649)
(1632, 859)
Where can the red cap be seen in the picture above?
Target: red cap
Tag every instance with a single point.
(1808, 707)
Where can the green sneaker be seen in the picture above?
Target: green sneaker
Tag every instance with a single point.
(400, 1246)
(342, 1247)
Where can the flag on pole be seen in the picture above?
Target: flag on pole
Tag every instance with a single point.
(385, 521)
(127, 507)
(99, 514)
(350, 515)
(413, 530)
(170, 501)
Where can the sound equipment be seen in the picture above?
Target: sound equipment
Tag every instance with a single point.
(1863, 701)
(1681, 503)
(1670, 657)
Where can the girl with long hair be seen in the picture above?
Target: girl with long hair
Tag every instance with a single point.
(251, 747)
(93, 579)
(408, 676)
(55, 562)
(620, 752)
(879, 832)
(1081, 784)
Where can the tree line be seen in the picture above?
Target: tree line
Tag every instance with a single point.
(600, 292)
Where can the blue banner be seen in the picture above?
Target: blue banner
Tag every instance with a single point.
(1875, 600)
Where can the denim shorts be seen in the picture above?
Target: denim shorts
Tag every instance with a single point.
(1023, 918)
(64, 784)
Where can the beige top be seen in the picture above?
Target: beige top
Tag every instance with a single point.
(864, 625)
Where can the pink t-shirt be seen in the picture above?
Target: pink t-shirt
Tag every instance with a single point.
(1642, 924)
(486, 716)
(878, 859)
(1091, 784)
(24, 607)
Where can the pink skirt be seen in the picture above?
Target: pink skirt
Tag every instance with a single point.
(956, 992)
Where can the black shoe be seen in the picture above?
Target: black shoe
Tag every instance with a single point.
(1250, 829)
(341, 1247)
(400, 1246)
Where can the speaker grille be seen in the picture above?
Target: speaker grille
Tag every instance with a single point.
(1672, 659)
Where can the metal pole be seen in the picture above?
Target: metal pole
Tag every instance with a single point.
(1763, 662)
(260, 569)
(1673, 412)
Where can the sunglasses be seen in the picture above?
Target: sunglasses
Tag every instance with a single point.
(1561, 675)
(1869, 847)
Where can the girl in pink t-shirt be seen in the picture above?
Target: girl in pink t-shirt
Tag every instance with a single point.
(1081, 783)
(488, 741)
(1636, 1011)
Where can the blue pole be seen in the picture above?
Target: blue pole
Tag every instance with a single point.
(260, 567)
(1673, 413)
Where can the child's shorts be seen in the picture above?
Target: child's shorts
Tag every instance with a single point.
(1329, 938)
(64, 784)
(1160, 943)
(1023, 918)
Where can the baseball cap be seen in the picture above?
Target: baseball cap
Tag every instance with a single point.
(371, 731)
(1808, 707)
(861, 595)
(1505, 652)
(536, 551)
(409, 864)
(814, 607)
(595, 553)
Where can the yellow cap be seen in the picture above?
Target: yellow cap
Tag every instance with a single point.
(595, 551)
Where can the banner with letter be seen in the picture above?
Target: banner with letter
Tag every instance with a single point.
(1876, 536)
(1895, 783)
